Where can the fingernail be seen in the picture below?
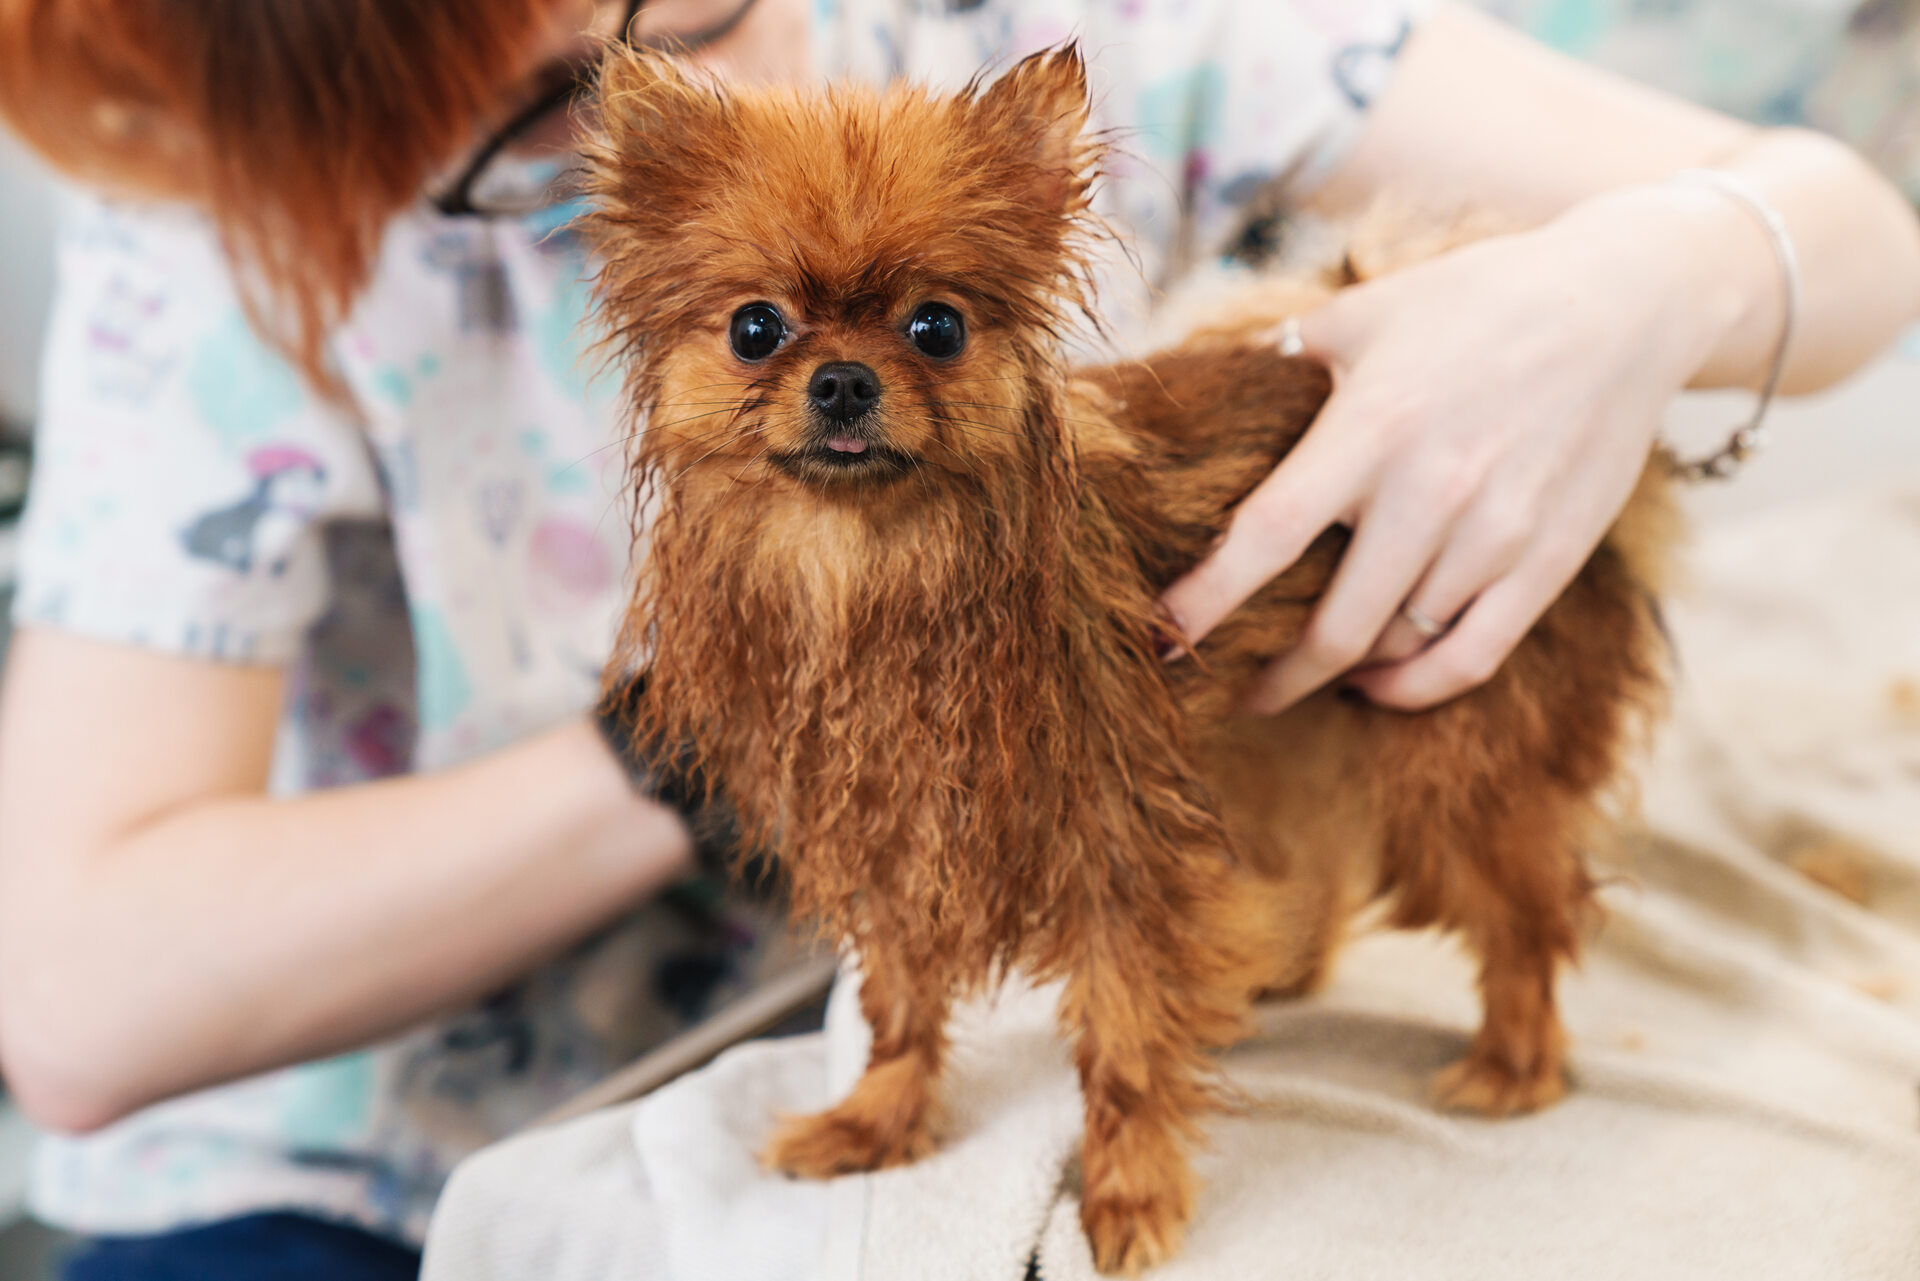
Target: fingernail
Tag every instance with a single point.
(1169, 635)
(1165, 647)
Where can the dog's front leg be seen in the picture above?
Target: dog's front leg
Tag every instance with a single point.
(1146, 1086)
(891, 1117)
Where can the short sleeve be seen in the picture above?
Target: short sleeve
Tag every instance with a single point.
(184, 472)
(1219, 106)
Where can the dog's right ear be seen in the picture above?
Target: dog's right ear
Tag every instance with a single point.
(663, 135)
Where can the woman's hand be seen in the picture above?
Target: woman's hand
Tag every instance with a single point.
(1493, 409)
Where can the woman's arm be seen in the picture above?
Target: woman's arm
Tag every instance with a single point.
(1479, 116)
(164, 925)
(1494, 406)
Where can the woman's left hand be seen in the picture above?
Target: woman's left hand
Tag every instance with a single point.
(1492, 411)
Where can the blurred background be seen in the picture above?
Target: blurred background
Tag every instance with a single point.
(27, 204)
(1846, 67)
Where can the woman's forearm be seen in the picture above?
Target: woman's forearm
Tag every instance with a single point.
(1858, 244)
(1591, 147)
(1494, 406)
(239, 934)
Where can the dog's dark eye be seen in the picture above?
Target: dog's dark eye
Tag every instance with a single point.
(937, 330)
(756, 332)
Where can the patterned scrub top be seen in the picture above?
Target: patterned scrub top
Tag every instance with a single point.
(440, 559)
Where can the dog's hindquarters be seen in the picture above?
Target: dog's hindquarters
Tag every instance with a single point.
(1490, 803)
(1471, 816)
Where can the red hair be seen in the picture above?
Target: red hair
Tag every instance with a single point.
(300, 126)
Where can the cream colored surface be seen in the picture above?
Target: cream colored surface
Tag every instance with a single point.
(1746, 1039)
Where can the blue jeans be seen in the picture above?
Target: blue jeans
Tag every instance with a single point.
(258, 1247)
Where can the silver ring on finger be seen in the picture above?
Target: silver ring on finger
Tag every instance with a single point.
(1423, 624)
(1288, 338)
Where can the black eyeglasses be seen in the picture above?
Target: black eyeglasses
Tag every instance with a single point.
(498, 184)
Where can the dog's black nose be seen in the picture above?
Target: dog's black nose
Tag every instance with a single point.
(843, 390)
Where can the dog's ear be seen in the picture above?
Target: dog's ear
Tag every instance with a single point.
(664, 134)
(1039, 111)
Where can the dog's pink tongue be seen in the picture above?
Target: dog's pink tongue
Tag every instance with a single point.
(847, 445)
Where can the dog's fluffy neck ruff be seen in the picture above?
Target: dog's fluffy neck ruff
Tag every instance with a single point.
(909, 675)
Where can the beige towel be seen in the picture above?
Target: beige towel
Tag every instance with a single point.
(1746, 1037)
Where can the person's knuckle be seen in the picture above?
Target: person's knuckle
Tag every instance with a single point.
(1265, 524)
(1450, 479)
(1333, 647)
(1509, 526)
(1395, 414)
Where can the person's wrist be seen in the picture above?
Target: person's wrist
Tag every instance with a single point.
(651, 839)
(673, 779)
(1703, 271)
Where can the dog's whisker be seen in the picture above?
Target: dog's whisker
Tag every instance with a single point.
(677, 476)
(982, 404)
(978, 426)
(750, 464)
(694, 418)
(694, 404)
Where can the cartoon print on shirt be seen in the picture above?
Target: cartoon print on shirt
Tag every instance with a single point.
(499, 507)
(569, 567)
(286, 492)
(484, 299)
(381, 741)
(1361, 70)
(129, 350)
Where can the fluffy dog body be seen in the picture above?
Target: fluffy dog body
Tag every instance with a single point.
(914, 636)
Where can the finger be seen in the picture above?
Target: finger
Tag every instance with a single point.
(1326, 331)
(1470, 654)
(1391, 550)
(1486, 546)
(1312, 489)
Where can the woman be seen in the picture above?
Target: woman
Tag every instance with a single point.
(331, 399)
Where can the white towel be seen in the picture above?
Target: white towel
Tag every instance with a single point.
(1746, 1041)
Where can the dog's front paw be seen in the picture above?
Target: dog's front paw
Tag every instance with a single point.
(1137, 1193)
(1490, 1085)
(843, 1140)
(888, 1120)
(1128, 1235)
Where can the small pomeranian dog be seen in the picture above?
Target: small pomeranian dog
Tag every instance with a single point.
(899, 604)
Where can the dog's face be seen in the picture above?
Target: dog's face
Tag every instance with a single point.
(838, 293)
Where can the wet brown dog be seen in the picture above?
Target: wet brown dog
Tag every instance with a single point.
(900, 598)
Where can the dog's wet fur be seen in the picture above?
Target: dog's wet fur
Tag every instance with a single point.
(925, 668)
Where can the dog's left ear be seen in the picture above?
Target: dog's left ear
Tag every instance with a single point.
(1039, 110)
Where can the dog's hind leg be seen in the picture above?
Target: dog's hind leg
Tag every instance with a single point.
(892, 1115)
(1504, 872)
(1488, 801)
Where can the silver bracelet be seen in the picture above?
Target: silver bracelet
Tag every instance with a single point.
(1748, 437)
